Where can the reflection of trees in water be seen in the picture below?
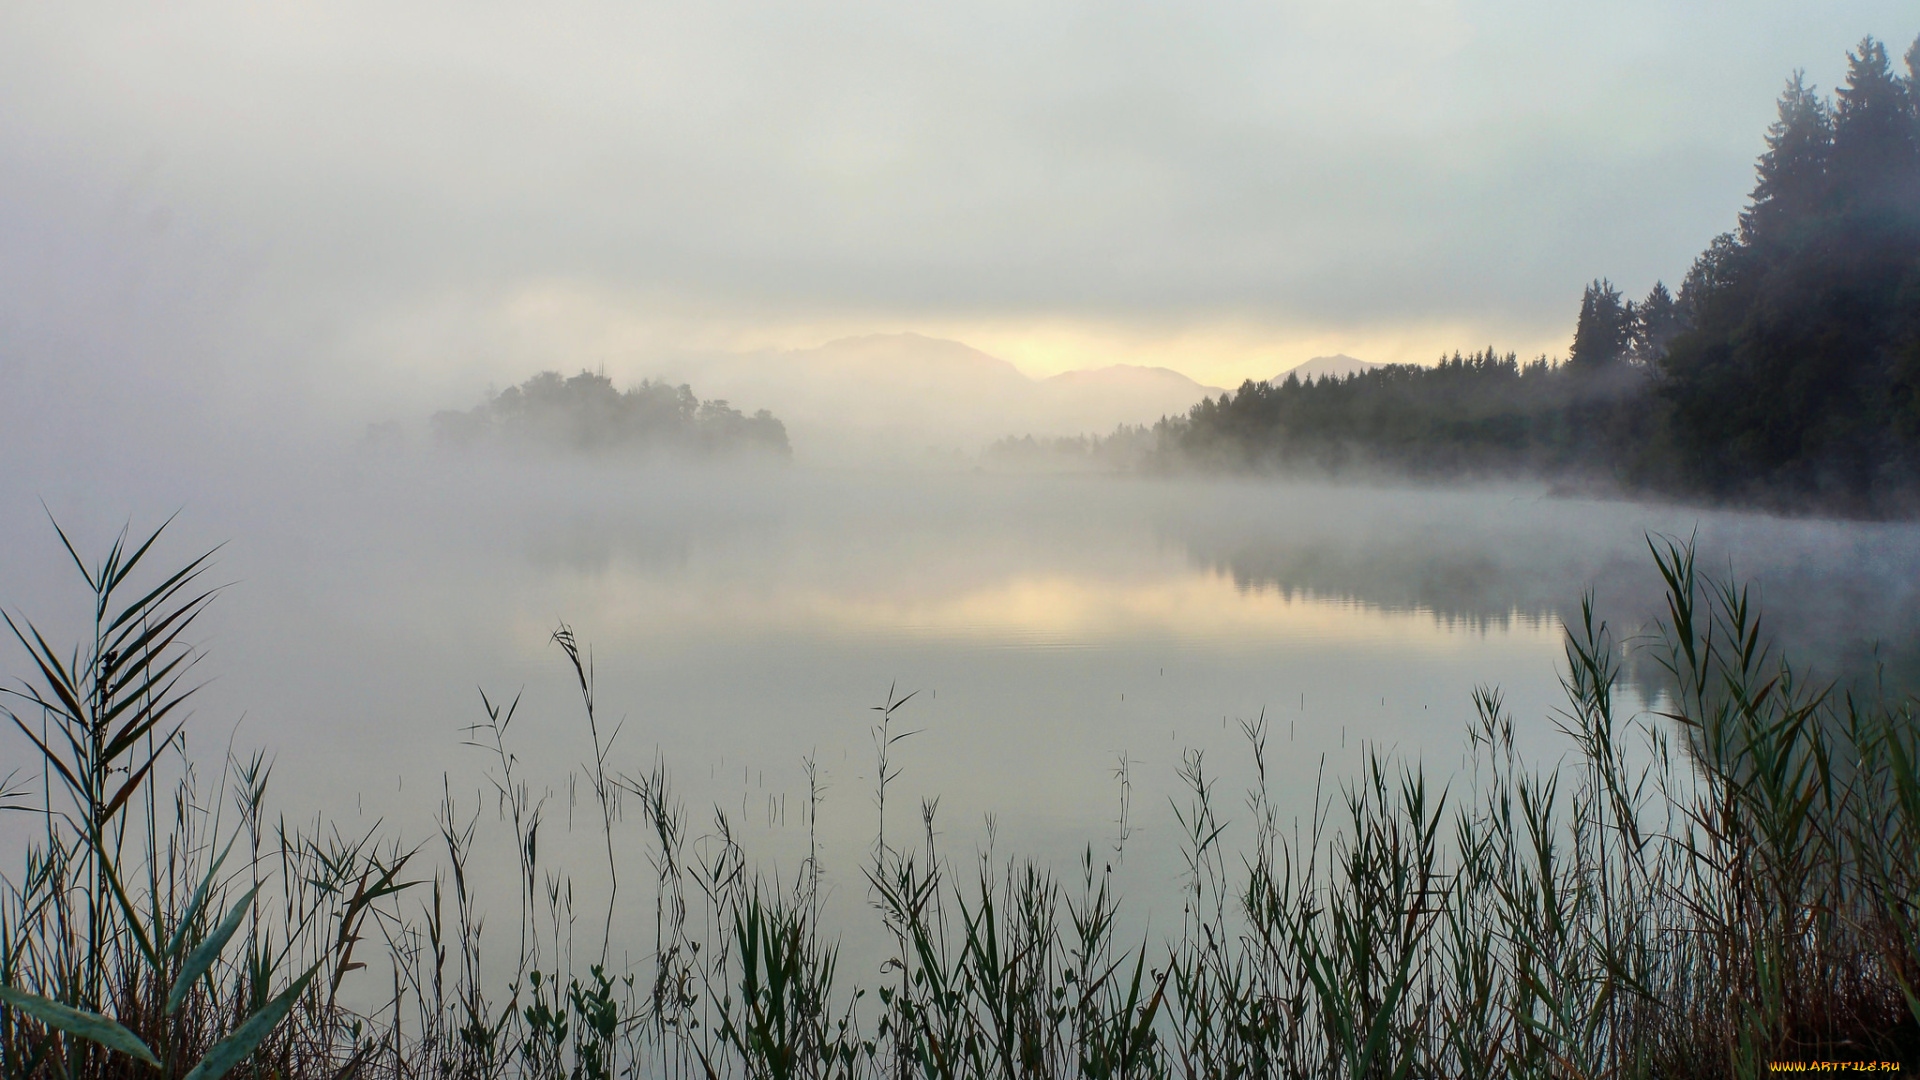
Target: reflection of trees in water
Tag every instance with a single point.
(1467, 594)
(1847, 609)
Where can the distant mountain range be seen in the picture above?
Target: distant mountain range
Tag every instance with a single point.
(901, 396)
(1338, 366)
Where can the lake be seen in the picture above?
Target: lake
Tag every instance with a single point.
(1066, 640)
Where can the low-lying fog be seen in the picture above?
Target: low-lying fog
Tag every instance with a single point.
(1053, 627)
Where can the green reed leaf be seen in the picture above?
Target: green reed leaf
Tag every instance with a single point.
(205, 953)
(199, 901)
(88, 1025)
(233, 1049)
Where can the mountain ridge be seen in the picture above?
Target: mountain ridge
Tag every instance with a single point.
(897, 394)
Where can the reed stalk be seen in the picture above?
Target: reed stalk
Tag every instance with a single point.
(1729, 879)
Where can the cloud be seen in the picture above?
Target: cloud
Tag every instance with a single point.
(1300, 177)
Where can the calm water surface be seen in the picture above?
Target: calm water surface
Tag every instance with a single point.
(1066, 640)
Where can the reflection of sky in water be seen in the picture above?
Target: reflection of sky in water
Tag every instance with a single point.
(1187, 607)
(1054, 626)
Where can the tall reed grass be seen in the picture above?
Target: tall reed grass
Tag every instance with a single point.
(1724, 882)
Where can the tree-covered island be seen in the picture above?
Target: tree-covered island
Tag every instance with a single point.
(586, 414)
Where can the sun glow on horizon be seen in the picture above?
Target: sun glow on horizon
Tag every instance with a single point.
(571, 323)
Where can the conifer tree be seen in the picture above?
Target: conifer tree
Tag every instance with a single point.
(1793, 180)
(1876, 160)
(1604, 330)
(1660, 318)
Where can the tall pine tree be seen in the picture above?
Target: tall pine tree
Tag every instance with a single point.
(1876, 160)
(1796, 371)
(1793, 182)
(1604, 331)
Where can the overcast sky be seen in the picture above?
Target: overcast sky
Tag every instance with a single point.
(396, 201)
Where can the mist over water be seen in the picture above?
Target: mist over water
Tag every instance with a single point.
(1058, 632)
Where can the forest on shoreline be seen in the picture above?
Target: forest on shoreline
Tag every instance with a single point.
(1785, 372)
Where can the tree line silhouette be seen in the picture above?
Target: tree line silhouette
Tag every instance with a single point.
(585, 413)
(1785, 372)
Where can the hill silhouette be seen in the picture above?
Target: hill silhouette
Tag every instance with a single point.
(898, 397)
(1337, 366)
